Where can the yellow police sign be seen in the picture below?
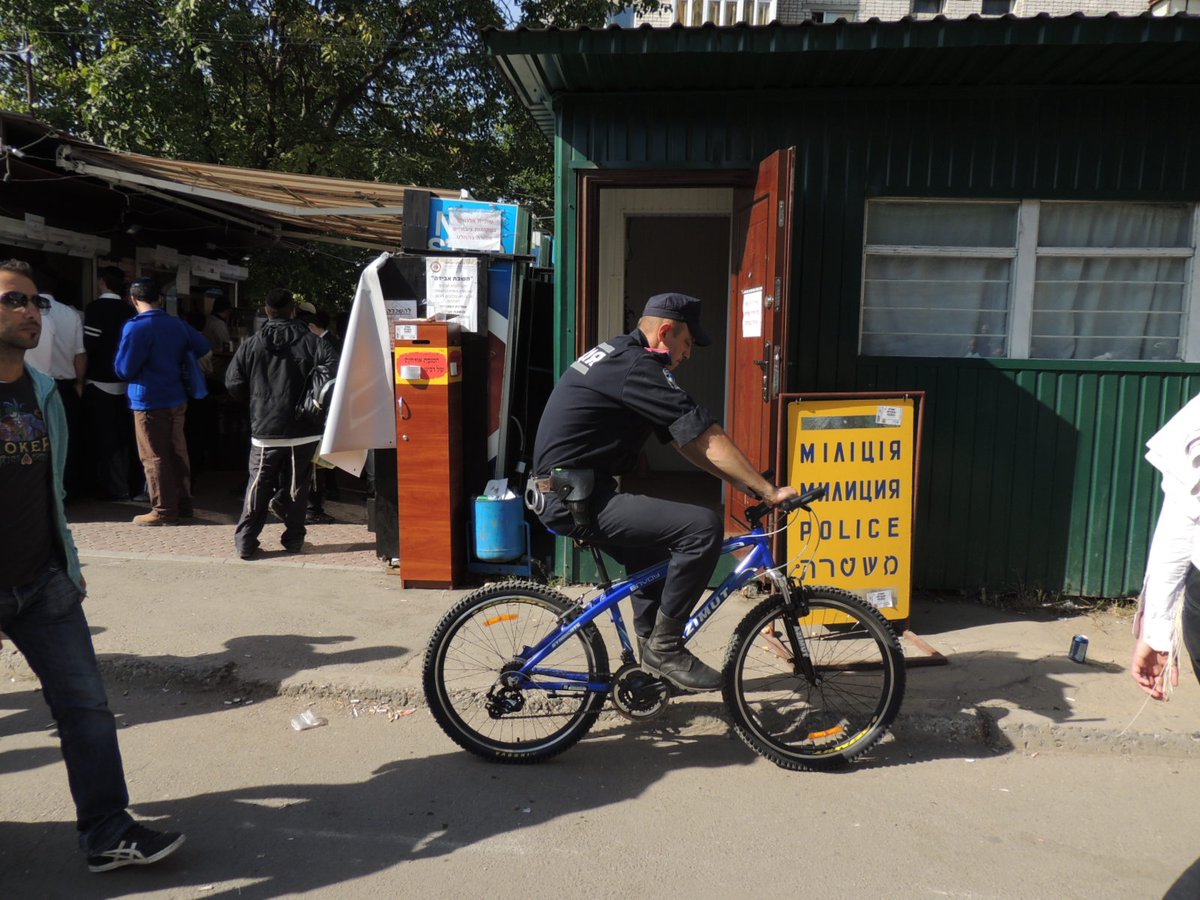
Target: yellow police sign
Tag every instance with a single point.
(862, 449)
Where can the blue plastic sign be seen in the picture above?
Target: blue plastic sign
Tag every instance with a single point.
(474, 225)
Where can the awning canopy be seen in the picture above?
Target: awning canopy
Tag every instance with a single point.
(193, 207)
(363, 213)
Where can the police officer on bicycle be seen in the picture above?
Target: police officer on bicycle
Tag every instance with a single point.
(597, 418)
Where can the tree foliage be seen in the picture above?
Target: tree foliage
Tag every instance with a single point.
(370, 89)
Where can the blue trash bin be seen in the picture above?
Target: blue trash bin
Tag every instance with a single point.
(499, 529)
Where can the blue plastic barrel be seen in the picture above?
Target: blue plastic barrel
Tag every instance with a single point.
(499, 531)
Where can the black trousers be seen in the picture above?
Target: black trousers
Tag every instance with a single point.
(640, 531)
(76, 477)
(110, 422)
(267, 464)
(1191, 618)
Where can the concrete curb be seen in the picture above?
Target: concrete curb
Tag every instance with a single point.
(968, 727)
(260, 563)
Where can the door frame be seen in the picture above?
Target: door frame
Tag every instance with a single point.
(587, 228)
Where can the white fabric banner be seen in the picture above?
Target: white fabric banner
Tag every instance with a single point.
(362, 414)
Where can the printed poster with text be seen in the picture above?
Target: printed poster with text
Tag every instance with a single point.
(862, 450)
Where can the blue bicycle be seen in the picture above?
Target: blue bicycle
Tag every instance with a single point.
(813, 677)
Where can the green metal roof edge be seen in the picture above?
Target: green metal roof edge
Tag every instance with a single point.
(530, 59)
(937, 32)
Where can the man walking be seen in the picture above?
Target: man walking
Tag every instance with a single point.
(151, 358)
(42, 590)
(272, 369)
(104, 401)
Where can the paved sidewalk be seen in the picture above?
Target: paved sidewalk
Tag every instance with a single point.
(246, 629)
(175, 606)
(105, 529)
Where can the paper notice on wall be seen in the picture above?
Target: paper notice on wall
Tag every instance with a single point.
(400, 309)
(452, 290)
(475, 229)
(752, 311)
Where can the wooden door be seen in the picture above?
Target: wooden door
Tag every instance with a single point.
(761, 251)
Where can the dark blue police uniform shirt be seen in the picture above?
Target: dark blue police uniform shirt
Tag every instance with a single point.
(607, 403)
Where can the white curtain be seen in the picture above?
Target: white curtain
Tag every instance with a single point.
(918, 304)
(1120, 303)
(1110, 307)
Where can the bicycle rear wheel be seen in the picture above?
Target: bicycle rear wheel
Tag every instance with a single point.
(860, 681)
(488, 631)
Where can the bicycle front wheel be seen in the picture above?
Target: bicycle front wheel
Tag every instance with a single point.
(823, 722)
(486, 633)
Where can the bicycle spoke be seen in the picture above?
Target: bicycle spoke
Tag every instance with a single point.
(483, 636)
(858, 682)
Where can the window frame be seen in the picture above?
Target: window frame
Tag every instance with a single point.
(831, 13)
(1025, 255)
(939, 7)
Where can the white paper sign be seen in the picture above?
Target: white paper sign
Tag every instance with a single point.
(752, 310)
(889, 415)
(475, 229)
(35, 227)
(451, 290)
(406, 332)
(884, 599)
(400, 309)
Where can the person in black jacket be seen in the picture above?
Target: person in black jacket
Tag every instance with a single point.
(104, 403)
(272, 369)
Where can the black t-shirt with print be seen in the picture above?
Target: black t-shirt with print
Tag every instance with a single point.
(26, 526)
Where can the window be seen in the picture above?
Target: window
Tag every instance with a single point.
(1029, 279)
(995, 7)
(928, 7)
(724, 12)
(937, 278)
(831, 14)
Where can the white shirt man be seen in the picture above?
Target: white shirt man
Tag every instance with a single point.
(60, 353)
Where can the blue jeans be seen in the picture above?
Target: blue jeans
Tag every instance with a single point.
(45, 621)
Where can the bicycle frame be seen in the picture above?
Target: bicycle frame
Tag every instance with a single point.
(759, 559)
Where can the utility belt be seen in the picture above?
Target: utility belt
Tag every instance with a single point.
(574, 487)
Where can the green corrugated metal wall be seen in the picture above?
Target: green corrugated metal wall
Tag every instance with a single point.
(1032, 473)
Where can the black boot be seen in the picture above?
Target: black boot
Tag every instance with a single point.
(663, 654)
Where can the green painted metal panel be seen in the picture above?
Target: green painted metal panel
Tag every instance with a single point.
(1032, 474)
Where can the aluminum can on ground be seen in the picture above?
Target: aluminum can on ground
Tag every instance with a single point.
(1079, 645)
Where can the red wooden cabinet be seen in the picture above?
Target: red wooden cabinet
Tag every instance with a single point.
(427, 361)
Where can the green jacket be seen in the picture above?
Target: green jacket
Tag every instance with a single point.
(56, 424)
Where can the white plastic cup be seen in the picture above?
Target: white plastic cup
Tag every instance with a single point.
(308, 719)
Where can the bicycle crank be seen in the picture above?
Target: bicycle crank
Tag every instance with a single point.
(638, 695)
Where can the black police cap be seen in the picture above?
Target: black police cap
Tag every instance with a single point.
(681, 308)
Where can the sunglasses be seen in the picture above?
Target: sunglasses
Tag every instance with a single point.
(19, 300)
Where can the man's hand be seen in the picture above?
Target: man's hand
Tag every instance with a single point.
(1148, 669)
(779, 494)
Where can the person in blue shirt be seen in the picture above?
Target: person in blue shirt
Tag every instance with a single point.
(151, 359)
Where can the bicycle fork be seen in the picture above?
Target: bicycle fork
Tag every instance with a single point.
(795, 608)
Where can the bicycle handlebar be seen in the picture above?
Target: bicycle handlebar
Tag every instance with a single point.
(755, 513)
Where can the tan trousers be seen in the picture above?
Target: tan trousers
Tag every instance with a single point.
(163, 449)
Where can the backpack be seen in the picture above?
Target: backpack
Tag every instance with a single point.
(313, 406)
